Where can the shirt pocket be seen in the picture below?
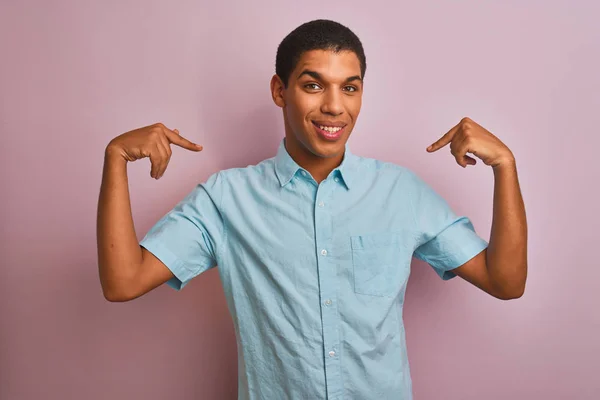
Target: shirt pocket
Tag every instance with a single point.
(381, 263)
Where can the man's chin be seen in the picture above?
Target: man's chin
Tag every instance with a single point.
(327, 149)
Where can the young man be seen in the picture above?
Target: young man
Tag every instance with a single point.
(313, 245)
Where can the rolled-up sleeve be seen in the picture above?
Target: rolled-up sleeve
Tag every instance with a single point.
(189, 237)
(446, 240)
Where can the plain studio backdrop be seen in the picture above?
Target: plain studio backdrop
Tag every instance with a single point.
(75, 74)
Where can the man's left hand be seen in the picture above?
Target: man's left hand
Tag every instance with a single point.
(469, 137)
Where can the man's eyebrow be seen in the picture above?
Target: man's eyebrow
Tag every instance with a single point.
(354, 78)
(318, 76)
(308, 72)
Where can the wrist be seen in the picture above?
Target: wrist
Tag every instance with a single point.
(508, 164)
(113, 154)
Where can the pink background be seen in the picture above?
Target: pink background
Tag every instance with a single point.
(74, 74)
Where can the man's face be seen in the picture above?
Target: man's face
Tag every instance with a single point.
(321, 103)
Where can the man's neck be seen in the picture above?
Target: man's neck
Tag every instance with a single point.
(318, 167)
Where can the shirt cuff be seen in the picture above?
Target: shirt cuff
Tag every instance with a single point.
(183, 274)
(454, 246)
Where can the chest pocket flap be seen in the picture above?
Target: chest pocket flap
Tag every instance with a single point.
(381, 263)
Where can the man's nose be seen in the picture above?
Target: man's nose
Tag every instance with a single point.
(332, 103)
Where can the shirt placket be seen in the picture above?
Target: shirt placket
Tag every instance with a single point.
(327, 271)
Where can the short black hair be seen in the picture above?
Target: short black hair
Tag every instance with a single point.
(320, 34)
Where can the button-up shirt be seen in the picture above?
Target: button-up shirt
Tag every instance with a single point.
(315, 274)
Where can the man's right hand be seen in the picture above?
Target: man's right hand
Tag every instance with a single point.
(153, 141)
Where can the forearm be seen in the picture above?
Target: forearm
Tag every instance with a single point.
(507, 251)
(119, 252)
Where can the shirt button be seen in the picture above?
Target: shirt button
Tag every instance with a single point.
(336, 179)
(303, 173)
(331, 353)
(321, 204)
(324, 252)
(327, 302)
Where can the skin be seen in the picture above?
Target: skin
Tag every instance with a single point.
(327, 87)
(324, 86)
(127, 270)
(500, 270)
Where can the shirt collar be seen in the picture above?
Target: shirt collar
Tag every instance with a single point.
(286, 167)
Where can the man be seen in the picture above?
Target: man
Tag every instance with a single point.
(313, 245)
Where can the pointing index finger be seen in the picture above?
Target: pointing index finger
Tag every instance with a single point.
(175, 138)
(444, 140)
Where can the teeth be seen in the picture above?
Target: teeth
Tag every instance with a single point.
(330, 128)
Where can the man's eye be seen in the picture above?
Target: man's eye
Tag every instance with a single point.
(350, 89)
(313, 86)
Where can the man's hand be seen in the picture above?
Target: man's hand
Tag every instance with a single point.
(502, 269)
(126, 270)
(153, 141)
(469, 137)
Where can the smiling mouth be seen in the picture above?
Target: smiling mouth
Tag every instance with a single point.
(329, 128)
(329, 132)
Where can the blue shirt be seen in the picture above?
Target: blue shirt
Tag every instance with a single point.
(315, 274)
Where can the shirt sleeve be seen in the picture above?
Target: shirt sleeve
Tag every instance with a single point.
(446, 240)
(188, 238)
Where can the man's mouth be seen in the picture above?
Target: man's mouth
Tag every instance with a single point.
(330, 130)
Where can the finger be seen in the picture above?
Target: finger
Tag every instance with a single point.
(456, 142)
(162, 161)
(444, 140)
(154, 161)
(470, 160)
(461, 154)
(456, 148)
(177, 139)
(164, 143)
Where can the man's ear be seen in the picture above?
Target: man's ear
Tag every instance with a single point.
(277, 89)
